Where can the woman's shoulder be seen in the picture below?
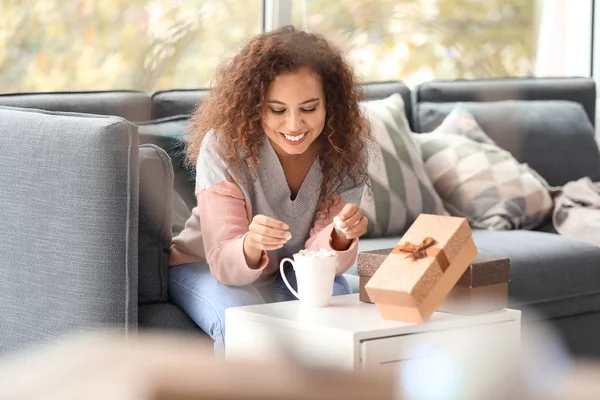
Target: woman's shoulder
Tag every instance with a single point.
(211, 165)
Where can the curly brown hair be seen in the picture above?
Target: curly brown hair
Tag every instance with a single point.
(234, 105)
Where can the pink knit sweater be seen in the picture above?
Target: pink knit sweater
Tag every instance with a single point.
(215, 232)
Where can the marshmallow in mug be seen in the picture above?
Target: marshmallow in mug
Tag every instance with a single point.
(321, 253)
(337, 222)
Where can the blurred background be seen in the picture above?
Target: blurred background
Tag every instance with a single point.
(149, 45)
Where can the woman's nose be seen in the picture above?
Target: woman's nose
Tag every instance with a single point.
(294, 122)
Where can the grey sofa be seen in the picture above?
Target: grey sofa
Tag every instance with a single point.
(88, 212)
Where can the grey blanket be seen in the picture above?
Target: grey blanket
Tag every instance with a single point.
(577, 210)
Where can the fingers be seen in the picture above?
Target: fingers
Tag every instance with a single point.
(267, 233)
(348, 211)
(350, 215)
(270, 232)
(264, 243)
(359, 229)
(270, 222)
(352, 221)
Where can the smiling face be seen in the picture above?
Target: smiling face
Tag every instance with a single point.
(294, 114)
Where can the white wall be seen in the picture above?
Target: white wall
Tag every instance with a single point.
(565, 38)
(565, 41)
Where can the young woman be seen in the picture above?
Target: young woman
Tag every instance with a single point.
(280, 149)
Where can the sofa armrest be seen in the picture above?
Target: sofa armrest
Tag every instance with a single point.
(69, 226)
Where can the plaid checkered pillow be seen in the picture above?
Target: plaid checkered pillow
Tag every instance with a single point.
(401, 189)
(479, 180)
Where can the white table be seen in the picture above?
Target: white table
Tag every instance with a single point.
(351, 334)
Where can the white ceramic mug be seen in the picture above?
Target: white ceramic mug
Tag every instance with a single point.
(315, 277)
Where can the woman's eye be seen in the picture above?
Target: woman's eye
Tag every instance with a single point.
(278, 112)
(310, 110)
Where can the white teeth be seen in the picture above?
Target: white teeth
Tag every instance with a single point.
(294, 138)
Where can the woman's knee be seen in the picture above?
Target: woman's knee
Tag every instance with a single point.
(204, 299)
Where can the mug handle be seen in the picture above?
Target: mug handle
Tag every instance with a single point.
(291, 289)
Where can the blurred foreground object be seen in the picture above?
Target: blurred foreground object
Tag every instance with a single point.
(157, 367)
(585, 382)
(471, 369)
(164, 367)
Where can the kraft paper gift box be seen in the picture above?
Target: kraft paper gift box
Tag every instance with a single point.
(419, 273)
(482, 288)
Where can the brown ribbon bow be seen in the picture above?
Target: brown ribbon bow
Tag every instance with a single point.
(416, 251)
(422, 250)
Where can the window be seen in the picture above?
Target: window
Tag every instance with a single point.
(53, 45)
(56, 45)
(421, 40)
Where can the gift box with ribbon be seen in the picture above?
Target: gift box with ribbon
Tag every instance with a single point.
(482, 288)
(419, 273)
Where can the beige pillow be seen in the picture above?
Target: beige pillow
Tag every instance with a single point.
(479, 180)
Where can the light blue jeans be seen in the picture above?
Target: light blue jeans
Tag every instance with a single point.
(204, 299)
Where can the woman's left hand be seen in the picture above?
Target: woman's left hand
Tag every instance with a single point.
(351, 221)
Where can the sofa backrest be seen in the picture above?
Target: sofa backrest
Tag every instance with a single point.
(170, 103)
(138, 106)
(578, 90)
(129, 104)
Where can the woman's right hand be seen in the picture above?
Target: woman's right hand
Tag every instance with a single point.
(264, 234)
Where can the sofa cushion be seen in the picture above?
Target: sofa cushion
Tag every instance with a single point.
(554, 275)
(169, 134)
(554, 137)
(154, 238)
(131, 105)
(577, 89)
(68, 232)
(167, 317)
(401, 189)
(478, 180)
